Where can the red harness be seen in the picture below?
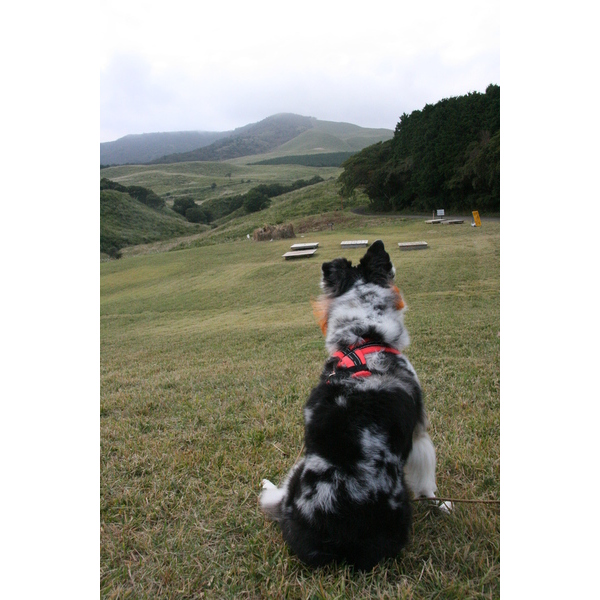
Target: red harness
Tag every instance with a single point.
(353, 360)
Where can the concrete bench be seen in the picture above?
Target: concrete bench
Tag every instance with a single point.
(444, 221)
(299, 254)
(412, 245)
(305, 246)
(355, 244)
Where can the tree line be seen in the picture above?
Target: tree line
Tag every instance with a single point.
(446, 155)
(144, 195)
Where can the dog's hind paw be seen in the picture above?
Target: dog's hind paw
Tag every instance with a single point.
(267, 485)
(270, 500)
(443, 505)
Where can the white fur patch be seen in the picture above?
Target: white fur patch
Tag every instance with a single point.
(316, 463)
(307, 415)
(341, 401)
(419, 470)
(376, 451)
(322, 495)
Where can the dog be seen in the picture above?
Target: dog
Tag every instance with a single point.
(365, 429)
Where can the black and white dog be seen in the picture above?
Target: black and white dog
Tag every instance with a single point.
(365, 429)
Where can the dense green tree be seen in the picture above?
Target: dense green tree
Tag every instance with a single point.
(255, 201)
(144, 195)
(108, 184)
(447, 153)
(197, 214)
(181, 205)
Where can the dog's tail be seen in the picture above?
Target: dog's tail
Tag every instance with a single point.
(270, 500)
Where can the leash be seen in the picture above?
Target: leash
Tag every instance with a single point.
(465, 500)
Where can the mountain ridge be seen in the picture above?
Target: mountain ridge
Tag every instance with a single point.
(274, 134)
(142, 148)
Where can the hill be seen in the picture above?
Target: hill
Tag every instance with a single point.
(145, 147)
(256, 138)
(125, 221)
(447, 153)
(278, 135)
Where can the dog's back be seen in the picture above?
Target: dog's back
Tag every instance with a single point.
(346, 499)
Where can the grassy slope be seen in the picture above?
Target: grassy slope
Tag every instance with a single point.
(195, 178)
(348, 130)
(354, 137)
(330, 137)
(312, 141)
(207, 358)
(126, 221)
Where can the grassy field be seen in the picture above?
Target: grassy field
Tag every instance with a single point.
(207, 357)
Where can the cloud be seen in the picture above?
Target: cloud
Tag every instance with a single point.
(220, 68)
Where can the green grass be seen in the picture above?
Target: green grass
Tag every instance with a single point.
(332, 159)
(207, 357)
(329, 140)
(314, 140)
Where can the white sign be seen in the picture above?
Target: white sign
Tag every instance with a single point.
(440, 212)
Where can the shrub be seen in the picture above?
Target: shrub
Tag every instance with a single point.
(181, 205)
(144, 195)
(255, 201)
(108, 184)
(197, 214)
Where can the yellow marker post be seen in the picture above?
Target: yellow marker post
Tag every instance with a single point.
(476, 218)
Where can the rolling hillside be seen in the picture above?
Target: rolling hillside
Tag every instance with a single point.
(125, 221)
(278, 135)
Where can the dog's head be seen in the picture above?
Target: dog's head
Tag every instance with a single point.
(361, 301)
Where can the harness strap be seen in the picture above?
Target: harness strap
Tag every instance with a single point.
(353, 358)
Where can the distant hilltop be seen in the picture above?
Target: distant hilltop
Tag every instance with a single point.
(283, 134)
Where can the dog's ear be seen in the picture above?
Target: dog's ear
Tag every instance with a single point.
(338, 276)
(376, 266)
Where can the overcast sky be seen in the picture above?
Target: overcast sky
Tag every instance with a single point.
(180, 65)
